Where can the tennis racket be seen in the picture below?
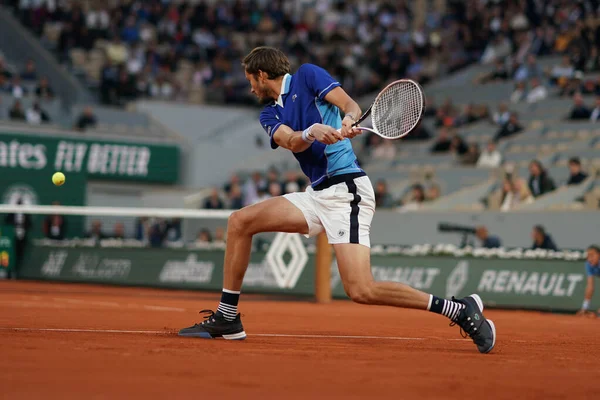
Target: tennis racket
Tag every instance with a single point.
(396, 111)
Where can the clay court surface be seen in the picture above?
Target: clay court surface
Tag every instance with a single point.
(68, 341)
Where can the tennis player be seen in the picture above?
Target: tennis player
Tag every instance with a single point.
(302, 114)
(592, 270)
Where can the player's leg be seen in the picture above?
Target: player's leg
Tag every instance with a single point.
(273, 215)
(355, 271)
(353, 256)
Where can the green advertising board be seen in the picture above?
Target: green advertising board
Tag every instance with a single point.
(530, 284)
(7, 250)
(97, 159)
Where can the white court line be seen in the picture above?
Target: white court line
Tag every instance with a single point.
(275, 335)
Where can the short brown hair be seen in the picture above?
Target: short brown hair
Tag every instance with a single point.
(270, 60)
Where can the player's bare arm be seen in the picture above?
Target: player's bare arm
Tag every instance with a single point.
(587, 298)
(298, 142)
(349, 107)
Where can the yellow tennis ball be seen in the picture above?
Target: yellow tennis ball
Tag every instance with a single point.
(58, 178)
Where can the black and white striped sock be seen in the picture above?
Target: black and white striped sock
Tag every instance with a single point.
(445, 307)
(229, 304)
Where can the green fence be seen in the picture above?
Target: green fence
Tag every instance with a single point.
(533, 284)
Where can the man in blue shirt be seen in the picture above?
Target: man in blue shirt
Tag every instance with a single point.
(592, 270)
(302, 114)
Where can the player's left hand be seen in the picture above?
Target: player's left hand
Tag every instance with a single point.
(347, 130)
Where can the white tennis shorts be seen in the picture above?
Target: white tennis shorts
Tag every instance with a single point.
(344, 210)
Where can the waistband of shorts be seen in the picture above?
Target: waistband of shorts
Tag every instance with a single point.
(334, 180)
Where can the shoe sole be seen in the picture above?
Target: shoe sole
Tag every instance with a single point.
(205, 335)
(490, 322)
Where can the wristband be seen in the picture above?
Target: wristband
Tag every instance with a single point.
(350, 116)
(585, 305)
(306, 136)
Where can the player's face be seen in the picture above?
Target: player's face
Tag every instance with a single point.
(593, 256)
(259, 89)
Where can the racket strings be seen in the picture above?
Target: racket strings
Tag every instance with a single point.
(397, 110)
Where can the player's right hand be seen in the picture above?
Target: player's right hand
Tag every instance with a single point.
(326, 134)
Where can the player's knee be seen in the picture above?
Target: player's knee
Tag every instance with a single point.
(237, 223)
(361, 293)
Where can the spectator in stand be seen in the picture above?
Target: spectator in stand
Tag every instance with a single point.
(501, 116)
(43, 90)
(220, 234)
(383, 199)
(54, 226)
(519, 93)
(433, 192)
(579, 110)
(214, 202)
(575, 85)
(490, 157)
(236, 200)
(416, 200)
(443, 142)
(204, 236)
(96, 231)
(514, 193)
(36, 115)
(576, 175)
(539, 181)
(118, 231)
(528, 70)
(16, 88)
(487, 241)
(458, 146)
(471, 156)
(29, 73)
(537, 93)
(512, 127)
(561, 74)
(16, 112)
(541, 239)
(86, 120)
(595, 113)
(498, 74)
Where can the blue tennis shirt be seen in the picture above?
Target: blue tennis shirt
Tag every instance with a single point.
(301, 104)
(592, 270)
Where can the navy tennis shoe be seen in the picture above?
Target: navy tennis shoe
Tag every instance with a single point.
(474, 325)
(216, 326)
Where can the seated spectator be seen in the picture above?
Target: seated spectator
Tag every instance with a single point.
(416, 200)
(576, 175)
(498, 74)
(29, 74)
(204, 236)
(501, 116)
(528, 70)
(469, 115)
(561, 74)
(539, 181)
(219, 234)
(579, 110)
(16, 112)
(443, 142)
(36, 115)
(487, 241)
(514, 193)
(213, 202)
(54, 226)
(519, 93)
(490, 157)
(541, 239)
(236, 200)
(471, 156)
(43, 90)
(512, 127)
(383, 199)
(537, 93)
(16, 88)
(274, 189)
(118, 231)
(87, 119)
(458, 146)
(595, 114)
(575, 85)
(96, 231)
